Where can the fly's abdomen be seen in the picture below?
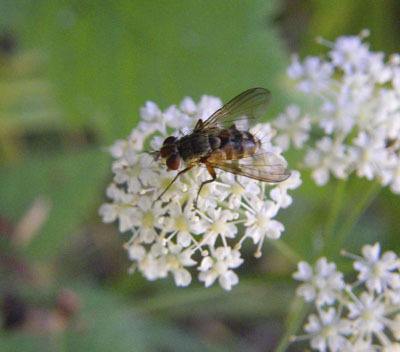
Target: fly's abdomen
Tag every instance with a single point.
(235, 145)
(249, 144)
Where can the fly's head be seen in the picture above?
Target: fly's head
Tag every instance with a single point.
(169, 152)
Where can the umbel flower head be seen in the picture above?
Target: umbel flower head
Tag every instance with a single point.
(355, 116)
(171, 237)
(363, 315)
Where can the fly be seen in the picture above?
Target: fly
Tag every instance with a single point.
(220, 143)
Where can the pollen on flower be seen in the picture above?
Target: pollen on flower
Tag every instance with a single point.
(148, 219)
(237, 189)
(261, 221)
(181, 223)
(218, 226)
(171, 237)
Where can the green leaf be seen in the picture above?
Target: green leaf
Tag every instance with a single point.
(72, 183)
(110, 324)
(105, 61)
(21, 342)
(266, 300)
(106, 323)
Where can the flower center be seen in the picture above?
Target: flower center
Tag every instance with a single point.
(237, 189)
(262, 220)
(378, 270)
(368, 316)
(173, 262)
(366, 155)
(148, 219)
(328, 331)
(134, 171)
(181, 224)
(218, 227)
(220, 267)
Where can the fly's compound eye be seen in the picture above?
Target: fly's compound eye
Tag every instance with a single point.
(168, 148)
(173, 162)
(164, 152)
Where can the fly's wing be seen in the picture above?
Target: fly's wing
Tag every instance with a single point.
(243, 110)
(264, 166)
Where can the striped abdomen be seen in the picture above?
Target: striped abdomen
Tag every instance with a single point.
(235, 145)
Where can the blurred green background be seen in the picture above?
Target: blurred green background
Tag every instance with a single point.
(73, 75)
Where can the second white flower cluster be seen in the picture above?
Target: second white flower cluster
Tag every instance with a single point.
(361, 316)
(352, 122)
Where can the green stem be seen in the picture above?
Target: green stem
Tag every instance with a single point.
(295, 318)
(354, 215)
(336, 206)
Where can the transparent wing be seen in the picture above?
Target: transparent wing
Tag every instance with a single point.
(264, 166)
(243, 110)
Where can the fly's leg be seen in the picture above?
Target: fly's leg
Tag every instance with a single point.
(175, 178)
(213, 174)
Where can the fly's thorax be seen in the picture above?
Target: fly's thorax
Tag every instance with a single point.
(194, 146)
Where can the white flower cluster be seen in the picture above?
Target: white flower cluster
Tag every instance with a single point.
(361, 316)
(354, 121)
(170, 236)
